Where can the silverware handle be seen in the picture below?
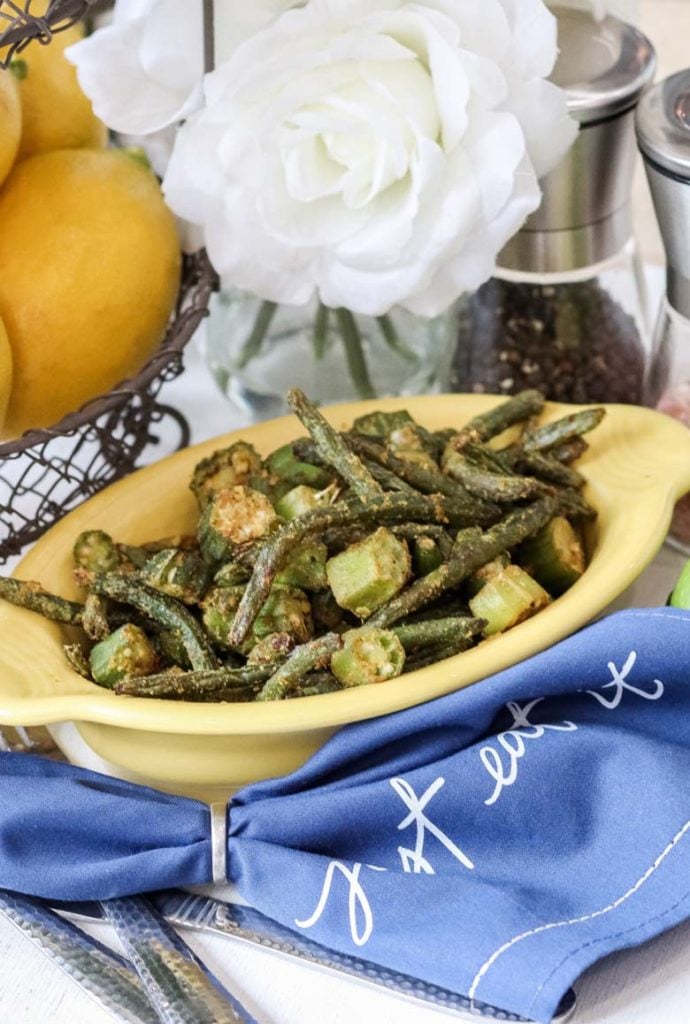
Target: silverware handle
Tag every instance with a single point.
(253, 927)
(180, 986)
(105, 976)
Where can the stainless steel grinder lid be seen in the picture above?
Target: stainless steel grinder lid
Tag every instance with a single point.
(663, 134)
(584, 217)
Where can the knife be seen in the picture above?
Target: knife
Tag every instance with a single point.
(188, 910)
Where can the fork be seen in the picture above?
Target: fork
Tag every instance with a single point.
(179, 986)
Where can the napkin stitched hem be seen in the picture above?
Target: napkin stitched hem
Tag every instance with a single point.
(583, 919)
(580, 967)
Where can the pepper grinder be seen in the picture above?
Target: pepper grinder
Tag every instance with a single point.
(565, 310)
(663, 135)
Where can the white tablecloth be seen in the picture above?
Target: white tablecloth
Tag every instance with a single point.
(648, 985)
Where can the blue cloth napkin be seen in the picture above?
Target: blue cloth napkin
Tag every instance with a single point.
(496, 841)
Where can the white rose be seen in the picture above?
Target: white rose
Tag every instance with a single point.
(144, 71)
(380, 152)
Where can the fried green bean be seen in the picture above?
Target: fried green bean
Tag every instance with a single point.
(563, 430)
(438, 631)
(94, 618)
(569, 451)
(197, 686)
(314, 684)
(434, 653)
(472, 548)
(162, 609)
(572, 505)
(541, 465)
(415, 531)
(302, 660)
(31, 595)
(488, 484)
(332, 447)
(428, 479)
(77, 659)
(387, 478)
(495, 421)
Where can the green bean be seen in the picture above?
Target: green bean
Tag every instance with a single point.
(431, 655)
(499, 418)
(415, 531)
(427, 479)
(77, 659)
(315, 684)
(487, 484)
(94, 618)
(164, 610)
(30, 595)
(541, 465)
(437, 631)
(302, 660)
(569, 451)
(387, 478)
(196, 685)
(563, 430)
(572, 505)
(332, 447)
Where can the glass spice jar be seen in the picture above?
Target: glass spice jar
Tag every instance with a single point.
(663, 134)
(566, 310)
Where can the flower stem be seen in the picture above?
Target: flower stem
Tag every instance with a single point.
(354, 353)
(321, 330)
(393, 339)
(252, 345)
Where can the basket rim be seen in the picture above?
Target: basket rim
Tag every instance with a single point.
(198, 280)
(19, 28)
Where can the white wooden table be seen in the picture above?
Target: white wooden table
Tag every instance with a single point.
(647, 985)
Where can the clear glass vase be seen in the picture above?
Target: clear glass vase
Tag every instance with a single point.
(257, 350)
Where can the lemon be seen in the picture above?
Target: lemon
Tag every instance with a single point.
(10, 122)
(5, 372)
(55, 112)
(90, 270)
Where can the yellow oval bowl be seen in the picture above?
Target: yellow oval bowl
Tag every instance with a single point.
(636, 468)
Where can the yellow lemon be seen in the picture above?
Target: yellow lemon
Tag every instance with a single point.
(10, 122)
(55, 112)
(90, 270)
(5, 372)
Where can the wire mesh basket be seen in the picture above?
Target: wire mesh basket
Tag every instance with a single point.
(46, 473)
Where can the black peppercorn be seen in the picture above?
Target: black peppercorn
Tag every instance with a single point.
(572, 341)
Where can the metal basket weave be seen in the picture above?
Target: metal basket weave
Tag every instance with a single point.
(48, 472)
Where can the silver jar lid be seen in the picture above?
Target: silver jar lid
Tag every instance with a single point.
(585, 216)
(663, 135)
(603, 65)
(663, 125)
